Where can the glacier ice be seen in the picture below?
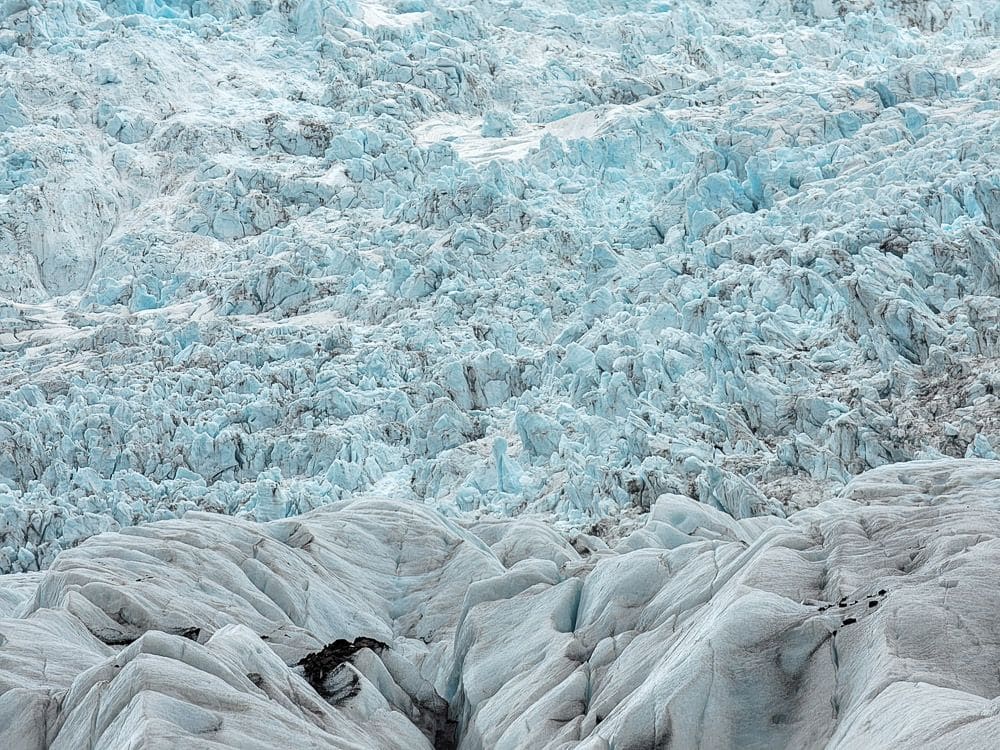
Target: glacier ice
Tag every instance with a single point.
(262, 256)
(607, 347)
(380, 623)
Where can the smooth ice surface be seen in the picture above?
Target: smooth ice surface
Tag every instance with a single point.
(868, 621)
(488, 257)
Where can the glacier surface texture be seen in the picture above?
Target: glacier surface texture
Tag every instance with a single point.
(611, 374)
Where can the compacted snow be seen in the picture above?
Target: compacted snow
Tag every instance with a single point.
(633, 363)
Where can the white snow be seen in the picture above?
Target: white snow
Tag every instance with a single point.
(466, 139)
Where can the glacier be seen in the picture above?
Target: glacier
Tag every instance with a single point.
(264, 256)
(650, 332)
(867, 621)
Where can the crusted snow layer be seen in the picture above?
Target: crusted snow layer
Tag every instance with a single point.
(866, 621)
(535, 254)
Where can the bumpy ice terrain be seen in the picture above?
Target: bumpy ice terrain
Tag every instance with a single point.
(570, 325)
(868, 621)
(501, 255)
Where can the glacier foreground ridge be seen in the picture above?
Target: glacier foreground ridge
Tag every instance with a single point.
(868, 621)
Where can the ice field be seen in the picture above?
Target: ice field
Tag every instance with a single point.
(595, 374)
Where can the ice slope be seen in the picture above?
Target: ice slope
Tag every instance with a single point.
(867, 621)
(491, 256)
